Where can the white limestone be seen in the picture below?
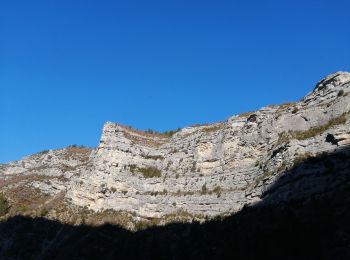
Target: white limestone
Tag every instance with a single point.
(205, 170)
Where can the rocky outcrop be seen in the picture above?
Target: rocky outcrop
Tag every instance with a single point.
(205, 170)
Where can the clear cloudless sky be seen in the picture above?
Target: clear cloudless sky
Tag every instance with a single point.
(68, 66)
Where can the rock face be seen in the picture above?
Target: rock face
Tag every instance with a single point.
(205, 170)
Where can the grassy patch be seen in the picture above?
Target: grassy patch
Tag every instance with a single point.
(169, 133)
(148, 172)
(151, 133)
(246, 114)
(25, 200)
(143, 138)
(212, 128)
(302, 158)
(314, 131)
(181, 215)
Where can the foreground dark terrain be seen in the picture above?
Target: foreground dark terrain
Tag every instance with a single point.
(313, 228)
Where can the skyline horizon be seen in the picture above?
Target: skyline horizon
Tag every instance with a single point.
(68, 67)
(182, 127)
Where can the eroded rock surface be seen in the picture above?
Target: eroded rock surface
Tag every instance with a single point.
(206, 170)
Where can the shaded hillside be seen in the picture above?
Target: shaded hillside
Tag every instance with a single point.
(315, 227)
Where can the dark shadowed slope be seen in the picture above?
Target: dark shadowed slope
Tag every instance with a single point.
(315, 227)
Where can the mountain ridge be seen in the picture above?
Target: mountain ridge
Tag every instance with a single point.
(196, 173)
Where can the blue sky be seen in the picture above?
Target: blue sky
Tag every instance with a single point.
(68, 66)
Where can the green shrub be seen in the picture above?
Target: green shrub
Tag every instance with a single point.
(341, 93)
(169, 133)
(204, 189)
(149, 172)
(4, 205)
(133, 168)
(193, 168)
(295, 110)
(217, 190)
(43, 212)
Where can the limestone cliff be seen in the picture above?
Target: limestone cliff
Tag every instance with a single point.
(200, 171)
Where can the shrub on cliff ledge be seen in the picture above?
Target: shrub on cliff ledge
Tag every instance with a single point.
(169, 133)
(320, 129)
(150, 172)
(204, 189)
(4, 206)
(212, 128)
(314, 131)
(341, 93)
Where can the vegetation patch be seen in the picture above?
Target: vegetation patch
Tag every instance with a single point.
(182, 216)
(212, 128)
(341, 93)
(199, 124)
(144, 139)
(150, 132)
(77, 152)
(204, 189)
(127, 219)
(24, 179)
(25, 201)
(217, 191)
(89, 217)
(246, 114)
(43, 152)
(295, 110)
(4, 205)
(312, 132)
(263, 176)
(328, 161)
(67, 168)
(156, 193)
(150, 172)
(152, 157)
(169, 133)
(147, 172)
(286, 106)
(302, 158)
